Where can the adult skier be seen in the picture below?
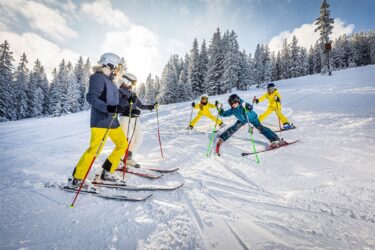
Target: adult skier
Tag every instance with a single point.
(204, 110)
(129, 98)
(244, 113)
(274, 105)
(104, 99)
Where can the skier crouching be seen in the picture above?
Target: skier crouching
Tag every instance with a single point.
(244, 113)
(204, 110)
(127, 96)
(274, 105)
(104, 99)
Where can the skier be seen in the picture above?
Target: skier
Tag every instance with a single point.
(127, 96)
(244, 113)
(104, 99)
(204, 110)
(274, 105)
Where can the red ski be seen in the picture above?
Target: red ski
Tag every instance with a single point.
(269, 148)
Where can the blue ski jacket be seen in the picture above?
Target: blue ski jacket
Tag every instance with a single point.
(239, 113)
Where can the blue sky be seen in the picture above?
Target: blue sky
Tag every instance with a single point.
(146, 32)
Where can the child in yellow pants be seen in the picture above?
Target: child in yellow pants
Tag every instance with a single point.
(274, 105)
(204, 110)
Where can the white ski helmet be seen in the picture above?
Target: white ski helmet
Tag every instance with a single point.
(109, 59)
(129, 79)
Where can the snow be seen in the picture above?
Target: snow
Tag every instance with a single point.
(318, 193)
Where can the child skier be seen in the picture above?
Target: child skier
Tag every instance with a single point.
(244, 113)
(204, 110)
(104, 99)
(126, 96)
(274, 105)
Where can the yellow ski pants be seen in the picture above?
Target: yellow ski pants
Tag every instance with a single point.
(271, 109)
(118, 138)
(209, 115)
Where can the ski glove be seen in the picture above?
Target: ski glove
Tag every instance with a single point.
(256, 100)
(114, 109)
(132, 98)
(193, 104)
(153, 106)
(221, 111)
(247, 106)
(277, 99)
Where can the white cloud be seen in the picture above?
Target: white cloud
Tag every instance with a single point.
(306, 35)
(139, 47)
(40, 17)
(102, 12)
(175, 46)
(3, 26)
(137, 44)
(35, 47)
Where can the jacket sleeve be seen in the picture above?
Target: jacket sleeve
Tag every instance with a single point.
(263, 97)
(140, 105)
(227, 113)
(96, 88)
(211, 106)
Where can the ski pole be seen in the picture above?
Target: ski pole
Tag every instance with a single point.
(281, 132)
(157, 118)
(127, 137)
(251, 134)
(92, 162)
(191, 115)
(208, 153)
(127, 150)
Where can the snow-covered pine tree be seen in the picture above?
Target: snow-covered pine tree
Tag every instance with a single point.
(372, 47)
(183, 81)
(278, 65)
(311, 60)
(7, 98)
(244, 79)
(73, 91)
(141, 91)
(169, 83)
(22, 78)
(157, 89)
(267, 64)
(258, 65)
(215, 65)
(231, 64)
(317, 58)
(149, 89)
(87, 70)
(285, 61)
(324, 25)
(79, 75)
(304, 62)
(203, 67)
(274, 68)
(58, 90)
(37, 90)
(295, 63)
(194, 74)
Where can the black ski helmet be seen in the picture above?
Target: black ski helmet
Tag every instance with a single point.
(271, 85)
(233, 98)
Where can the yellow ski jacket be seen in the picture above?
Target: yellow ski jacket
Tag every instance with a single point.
(205, 109)
(271, 99)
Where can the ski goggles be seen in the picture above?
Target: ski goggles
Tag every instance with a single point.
(271, 89)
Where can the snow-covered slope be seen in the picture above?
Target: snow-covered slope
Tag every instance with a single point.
(319, 193)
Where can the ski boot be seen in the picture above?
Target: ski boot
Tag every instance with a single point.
(287, 126)
(218, 145)
(277, 143)
(107, 177)
(131, 162)
(76, 183)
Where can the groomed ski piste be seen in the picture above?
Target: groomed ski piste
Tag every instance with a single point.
(316, 194)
